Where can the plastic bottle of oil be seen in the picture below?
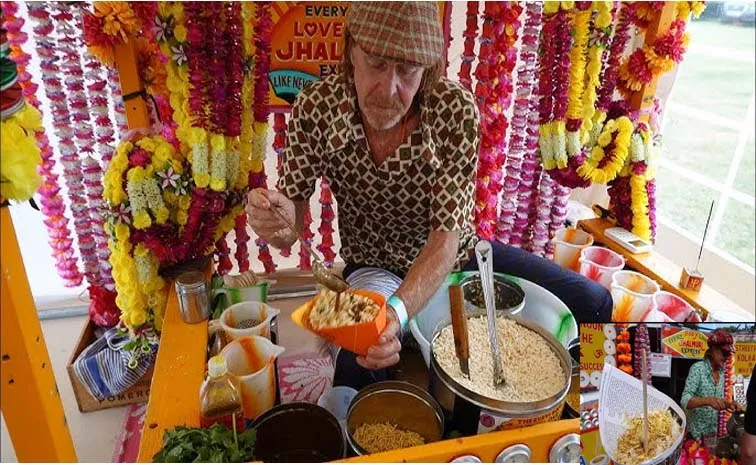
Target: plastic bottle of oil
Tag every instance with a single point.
(220, 397)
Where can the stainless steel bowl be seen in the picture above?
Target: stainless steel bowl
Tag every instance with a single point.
(508, 295)
(399, 403)
(463, 406)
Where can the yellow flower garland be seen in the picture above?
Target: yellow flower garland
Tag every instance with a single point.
(142, 293)
(580, 23)
(247, 121)
(593, 69)
(20, 155)
(590, 170)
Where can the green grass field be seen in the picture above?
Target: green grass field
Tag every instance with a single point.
(723, 86)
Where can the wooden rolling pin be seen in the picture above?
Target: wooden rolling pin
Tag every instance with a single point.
(459, 327)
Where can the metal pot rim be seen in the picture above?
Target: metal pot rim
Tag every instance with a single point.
(392, 386)
(533, 408)
(509, 283)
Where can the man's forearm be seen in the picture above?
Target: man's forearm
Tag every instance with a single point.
(429, 270)
(698, 402)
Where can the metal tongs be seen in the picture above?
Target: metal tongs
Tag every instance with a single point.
(483, 253)
(319, 270)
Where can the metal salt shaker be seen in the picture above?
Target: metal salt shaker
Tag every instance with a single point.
(193, 296)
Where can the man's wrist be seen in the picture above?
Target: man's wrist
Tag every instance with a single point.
(397, 304)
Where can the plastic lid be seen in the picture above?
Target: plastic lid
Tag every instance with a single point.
(216, 366)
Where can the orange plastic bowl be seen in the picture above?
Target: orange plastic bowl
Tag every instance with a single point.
(354, 338)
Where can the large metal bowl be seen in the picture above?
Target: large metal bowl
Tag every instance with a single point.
(540, 307)
(399, 403)
(458, 401)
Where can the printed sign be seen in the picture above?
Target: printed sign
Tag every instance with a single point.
(685, 343)
(592, 354)
(745, 354)
(661, 365)
(306, 45)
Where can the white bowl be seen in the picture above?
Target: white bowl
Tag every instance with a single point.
(541, 307)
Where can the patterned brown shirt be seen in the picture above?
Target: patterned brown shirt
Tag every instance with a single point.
(386, 212)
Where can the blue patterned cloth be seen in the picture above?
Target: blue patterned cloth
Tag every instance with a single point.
(103, 367)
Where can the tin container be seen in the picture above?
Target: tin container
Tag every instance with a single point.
(518, 453)
(193, 296)
(469, 413)
(508, 295)
(467, 459)
(399, 403)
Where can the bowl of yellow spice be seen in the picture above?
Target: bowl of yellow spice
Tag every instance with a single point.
(392, 415)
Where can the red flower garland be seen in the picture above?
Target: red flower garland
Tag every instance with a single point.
(53, 208)
(200, 79)
(263, 35)
(326, 224)
(468, 55)
(279, 144)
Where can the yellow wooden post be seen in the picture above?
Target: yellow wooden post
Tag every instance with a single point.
(31, 401)
(644, 98)
(137, 114)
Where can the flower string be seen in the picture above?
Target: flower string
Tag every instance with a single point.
(263, 36)
(468, 55)
(52, 78)
(56, 221)
(326, 246)
(523, 139)
(279, 144)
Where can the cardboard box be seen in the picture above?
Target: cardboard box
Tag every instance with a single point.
(138, 393)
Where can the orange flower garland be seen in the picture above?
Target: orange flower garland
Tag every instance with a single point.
(624, 350)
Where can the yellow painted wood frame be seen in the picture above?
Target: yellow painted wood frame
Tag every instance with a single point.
(539, 438)
(31, 401)
(643, 99)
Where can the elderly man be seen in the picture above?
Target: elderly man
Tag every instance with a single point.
(398, 144)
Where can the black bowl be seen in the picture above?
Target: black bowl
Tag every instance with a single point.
(298, 432)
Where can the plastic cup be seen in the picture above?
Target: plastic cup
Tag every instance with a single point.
(632, 294)
(568, 244)
(337, 400)
(599, 264)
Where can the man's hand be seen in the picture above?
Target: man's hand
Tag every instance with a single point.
(718, 404)
(386, 352)
(264, 222)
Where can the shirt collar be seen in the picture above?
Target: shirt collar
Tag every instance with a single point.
(348, 126)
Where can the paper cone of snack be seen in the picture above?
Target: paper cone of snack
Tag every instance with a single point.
(357, 338)
(621, 403)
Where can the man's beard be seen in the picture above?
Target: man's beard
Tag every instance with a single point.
(382, 117)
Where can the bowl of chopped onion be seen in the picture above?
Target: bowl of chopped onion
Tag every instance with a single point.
(355, 324)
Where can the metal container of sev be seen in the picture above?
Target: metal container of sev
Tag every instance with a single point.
(469, 413)
(399, 403)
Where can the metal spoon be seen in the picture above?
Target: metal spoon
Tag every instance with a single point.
(319, 270)
(483, 252)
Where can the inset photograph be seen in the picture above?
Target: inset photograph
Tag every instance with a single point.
(668, 394)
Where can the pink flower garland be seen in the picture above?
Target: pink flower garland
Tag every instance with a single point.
(79, 102)
(507, 27)
(523, 139)
(468, 55)
(51, 77)
(234, 68)
(53, 207)
(326, 246)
